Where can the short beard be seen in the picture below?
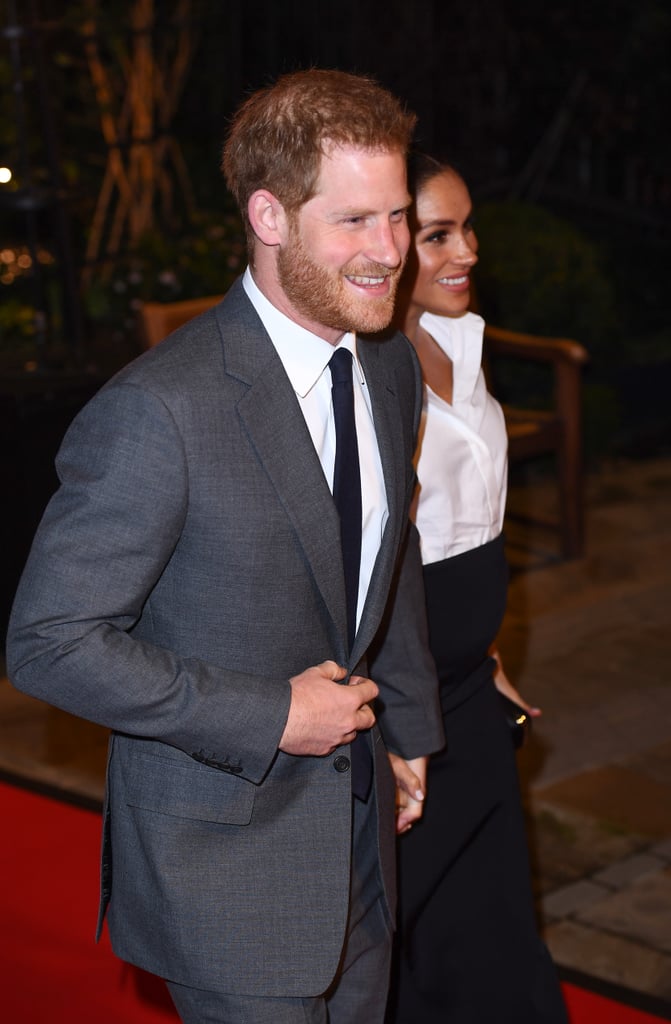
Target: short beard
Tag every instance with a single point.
(320, 295)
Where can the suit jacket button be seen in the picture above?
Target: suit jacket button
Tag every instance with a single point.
(341, 764)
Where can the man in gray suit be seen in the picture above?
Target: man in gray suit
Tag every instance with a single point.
(186, 589)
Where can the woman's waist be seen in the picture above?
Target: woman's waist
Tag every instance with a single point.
(465, 601)
(435, 546)
(460, 685)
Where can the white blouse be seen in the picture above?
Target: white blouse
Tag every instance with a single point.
(462, 459)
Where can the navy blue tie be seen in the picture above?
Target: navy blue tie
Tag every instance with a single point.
(347, 497)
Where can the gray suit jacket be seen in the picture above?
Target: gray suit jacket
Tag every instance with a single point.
(187, 567)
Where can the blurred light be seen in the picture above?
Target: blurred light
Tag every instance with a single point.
(5, 175)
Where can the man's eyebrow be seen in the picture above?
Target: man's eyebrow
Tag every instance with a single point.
(361, 211)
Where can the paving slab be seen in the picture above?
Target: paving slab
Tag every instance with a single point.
(640, 911)
(620, 795)
(566, 845)
(662, 849)
(573, 898)
(625, 872)
(612, 958)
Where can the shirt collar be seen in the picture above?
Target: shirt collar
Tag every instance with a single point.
(304, 355)
(460, 337)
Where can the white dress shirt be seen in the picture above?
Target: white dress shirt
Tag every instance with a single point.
(305, 358)
(462, 461)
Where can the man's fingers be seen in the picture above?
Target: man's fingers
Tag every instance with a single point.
(332, 670)
(365, 717)
(324, 714)
(366, 689)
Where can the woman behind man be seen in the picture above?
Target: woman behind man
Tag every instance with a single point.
(469, 951)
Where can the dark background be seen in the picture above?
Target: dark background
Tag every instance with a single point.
(557, 115)
(562, 106)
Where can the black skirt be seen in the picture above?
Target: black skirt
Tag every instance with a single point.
(468, 949)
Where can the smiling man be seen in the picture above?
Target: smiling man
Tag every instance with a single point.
(192, 588)
(339, 259)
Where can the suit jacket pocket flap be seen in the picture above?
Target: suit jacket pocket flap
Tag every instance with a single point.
(199, 793)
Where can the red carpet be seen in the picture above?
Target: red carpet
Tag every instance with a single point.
(51, 969)
(589, 1008)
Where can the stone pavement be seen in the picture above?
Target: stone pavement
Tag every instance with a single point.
(587, 641)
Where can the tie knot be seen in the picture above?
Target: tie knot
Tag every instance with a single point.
(340, 365)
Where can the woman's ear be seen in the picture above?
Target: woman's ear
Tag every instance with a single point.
(267, 217)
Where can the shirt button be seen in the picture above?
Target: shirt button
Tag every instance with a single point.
(341, 764)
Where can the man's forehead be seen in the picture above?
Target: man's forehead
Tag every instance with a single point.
(331, 149)
(360, 164)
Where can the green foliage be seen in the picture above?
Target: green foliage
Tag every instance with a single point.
(540, 274)
(23, 327)
(602, 415)
(166, 268)
(655, 348)
(17, 329)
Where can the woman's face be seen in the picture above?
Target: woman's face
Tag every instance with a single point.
(445, 246)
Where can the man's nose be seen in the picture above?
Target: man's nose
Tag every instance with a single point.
(389, 244)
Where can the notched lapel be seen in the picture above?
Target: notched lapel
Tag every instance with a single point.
(277, 430)
(392, 443)
(276, 427)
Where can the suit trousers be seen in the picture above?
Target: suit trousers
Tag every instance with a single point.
(358, 994)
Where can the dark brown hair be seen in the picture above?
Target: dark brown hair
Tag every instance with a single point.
(277, 137)
(423, 168)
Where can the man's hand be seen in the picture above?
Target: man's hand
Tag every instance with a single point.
(325, 714)
(410, 790)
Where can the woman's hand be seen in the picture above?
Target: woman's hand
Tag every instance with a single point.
(504, 686)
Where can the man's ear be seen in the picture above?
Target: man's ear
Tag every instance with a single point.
(267, 217)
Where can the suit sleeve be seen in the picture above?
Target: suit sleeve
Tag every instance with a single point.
(401, 662)
(101, 548)
(409, 716)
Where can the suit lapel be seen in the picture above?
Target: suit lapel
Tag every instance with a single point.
(277, 430)
(381, 382)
